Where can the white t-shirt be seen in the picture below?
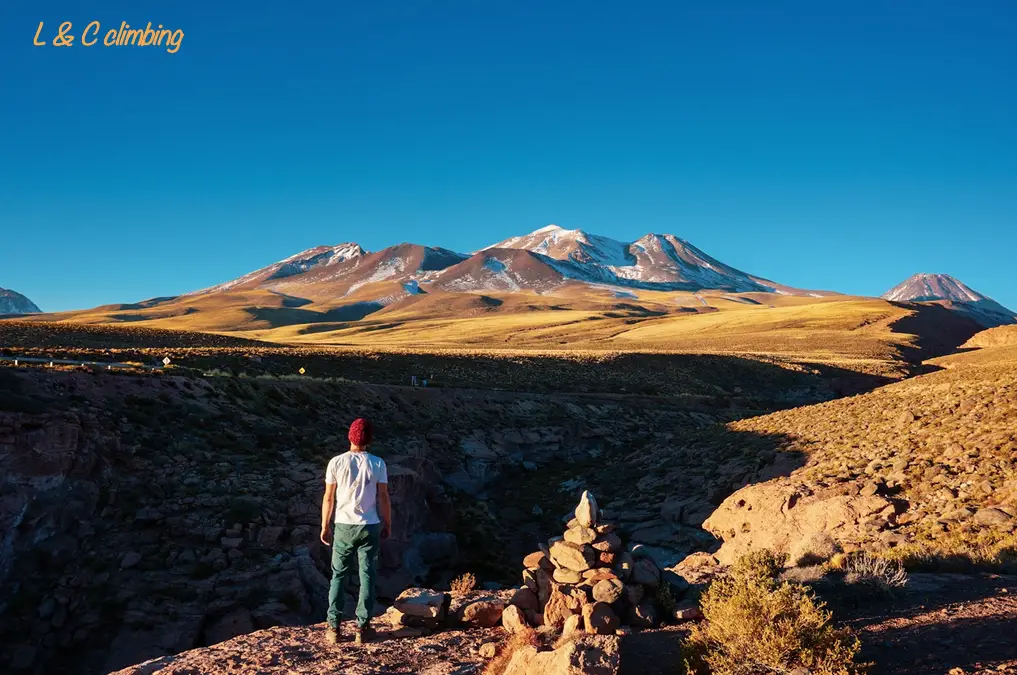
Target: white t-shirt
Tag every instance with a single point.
(356, 476)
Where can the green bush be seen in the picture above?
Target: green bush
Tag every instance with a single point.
(757, 624)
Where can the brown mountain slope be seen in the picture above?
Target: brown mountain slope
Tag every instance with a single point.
(1000, 336)
(927, 466)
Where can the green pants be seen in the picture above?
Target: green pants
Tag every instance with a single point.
(364, 542)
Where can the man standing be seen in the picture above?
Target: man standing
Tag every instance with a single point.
(356, 488)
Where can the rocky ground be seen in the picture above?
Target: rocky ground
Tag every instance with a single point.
(146, 515)
(302, 649)
(943, 624)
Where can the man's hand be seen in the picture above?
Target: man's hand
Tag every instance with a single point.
(386, 530)
(327, 506)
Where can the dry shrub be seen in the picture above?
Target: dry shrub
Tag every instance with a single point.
(961, 550)
(756, 624)
(804, 576)
(664, 599)
(463, 584)
(880, 575)
(513, 643)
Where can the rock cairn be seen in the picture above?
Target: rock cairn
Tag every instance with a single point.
(586, 580)
(582, 581)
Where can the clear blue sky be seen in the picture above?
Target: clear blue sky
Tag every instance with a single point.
(836, 145)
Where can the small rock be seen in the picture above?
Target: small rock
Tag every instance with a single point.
(130, 560)
(537, 559)
(525, 598)
(479, 612)
(645, 572)
(869, 489)
(488, 650)
(587, 512)
(268, 536)
(688, 614)
(581, 535)
(513, 619)
(608, 591)
(608, 543)
(991, 516)
(567, 576)
(643, 615)
(571, 556)
(600, 619)
(423, 603)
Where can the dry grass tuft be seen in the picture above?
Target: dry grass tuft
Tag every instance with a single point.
(757, 624)
(958, 551)
(881, 575)
(513, 643)
(463, 584)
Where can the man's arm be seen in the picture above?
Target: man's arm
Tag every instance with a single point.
(384, 510)
(327, 506)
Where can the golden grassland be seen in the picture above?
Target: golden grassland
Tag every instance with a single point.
(858, 334)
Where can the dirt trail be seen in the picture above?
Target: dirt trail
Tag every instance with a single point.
(945, 622)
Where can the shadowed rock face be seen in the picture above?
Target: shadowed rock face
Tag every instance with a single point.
(52, 468)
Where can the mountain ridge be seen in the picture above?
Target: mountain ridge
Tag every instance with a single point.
(946, 290)
(655, 262)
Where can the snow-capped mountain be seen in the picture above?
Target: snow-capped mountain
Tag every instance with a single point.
(655, 261)
(540, 262)
(305, 261)
(12, 302)
(946, 290)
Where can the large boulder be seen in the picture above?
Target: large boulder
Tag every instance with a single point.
(779, 514)
(588, 655)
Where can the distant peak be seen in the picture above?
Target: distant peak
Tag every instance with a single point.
(550, 228)
(925, 286)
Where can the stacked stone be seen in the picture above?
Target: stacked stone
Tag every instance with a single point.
(585, 580)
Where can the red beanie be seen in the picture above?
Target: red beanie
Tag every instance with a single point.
(361, 432)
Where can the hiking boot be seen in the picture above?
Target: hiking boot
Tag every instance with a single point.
(362, 634)
(332, 635)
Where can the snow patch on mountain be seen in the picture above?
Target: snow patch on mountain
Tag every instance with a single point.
(300, 263)
(12, 302)
(655, 261)
(385, 270)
